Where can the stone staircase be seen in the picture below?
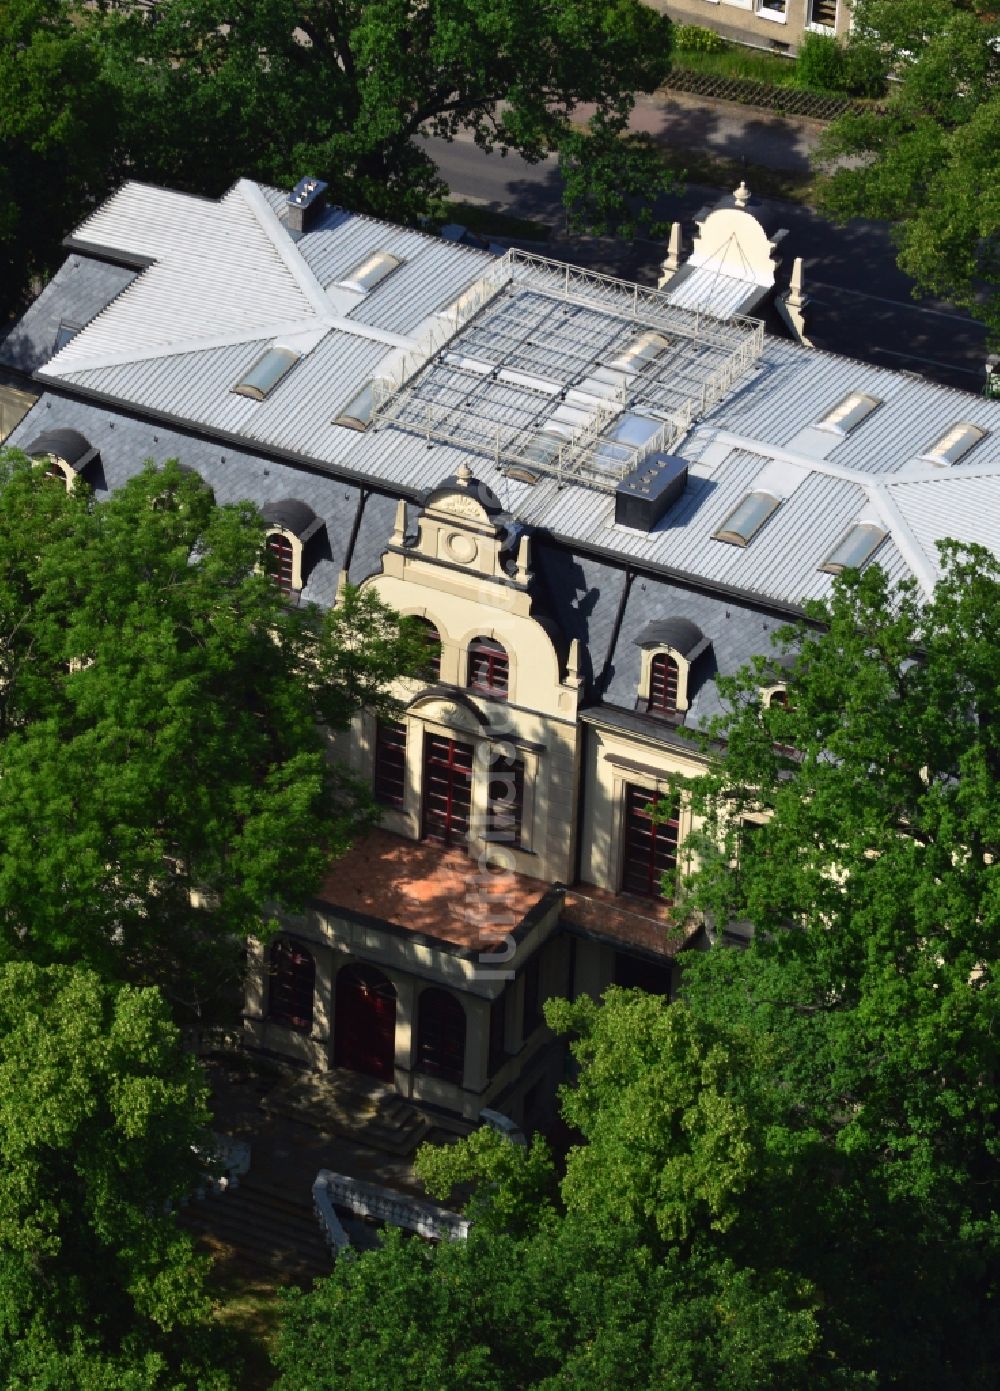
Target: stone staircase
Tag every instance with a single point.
(346, 1104)
(272, 1235)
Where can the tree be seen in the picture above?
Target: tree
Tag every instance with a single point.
(787, 1177)
(58, 121)
(344, 89)
(931, 165)
(99, 1118)
(165, 785)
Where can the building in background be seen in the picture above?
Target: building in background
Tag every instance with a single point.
(780, 24)
(596, 496)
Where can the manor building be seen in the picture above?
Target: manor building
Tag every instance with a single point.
(597, 497)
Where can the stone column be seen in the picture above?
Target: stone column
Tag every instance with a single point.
(477, 1043)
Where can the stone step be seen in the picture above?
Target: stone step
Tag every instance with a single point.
(269, 1233)
(338, 1103)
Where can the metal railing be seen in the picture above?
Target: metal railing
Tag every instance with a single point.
(589, 455)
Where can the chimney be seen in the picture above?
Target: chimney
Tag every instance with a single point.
(305, 203)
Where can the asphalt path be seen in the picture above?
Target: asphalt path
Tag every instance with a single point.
(862, 305)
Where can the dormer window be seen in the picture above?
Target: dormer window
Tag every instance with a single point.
(742, 525)
(848, 413)
(266, 373)
(293, 530)
(281, 551)
(663, 683)
(670, 649)
(489, 668)
(65, 454)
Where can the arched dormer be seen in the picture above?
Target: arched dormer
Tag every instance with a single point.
(670, 649)
(292, 528)
(66, 452)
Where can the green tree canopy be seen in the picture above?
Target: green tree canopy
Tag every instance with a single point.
(344, 88)
(164, 781)
(788, 1177)
(100, 1112)
(58, 130)
(932, 164)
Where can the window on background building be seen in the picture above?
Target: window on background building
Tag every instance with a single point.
(505, 801)
(663, 677)
(489, 669)
(282, 558)
(390, 763)
(291, 983)
(650, 850)
(774, 9)
(441, 1036)
(823, 12)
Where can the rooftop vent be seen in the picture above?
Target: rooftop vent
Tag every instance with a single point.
(743, 524)
(642, 498)
(266, 373)
(357, 414)
(371, 272)
(849, 413)
(305, 203)
(955, 443)
(640, 352)
(854, 548)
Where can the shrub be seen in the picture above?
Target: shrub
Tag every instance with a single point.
(691, 38)
(820, 64)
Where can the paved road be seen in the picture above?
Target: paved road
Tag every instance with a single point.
(862, 303)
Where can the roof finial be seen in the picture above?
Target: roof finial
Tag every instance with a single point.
(741, 195)
(464, 474)
(674, 252)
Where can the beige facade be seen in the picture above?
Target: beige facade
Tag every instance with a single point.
(763, 23)
(487, 918)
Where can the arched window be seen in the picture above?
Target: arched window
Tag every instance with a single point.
(441, 1036)
(663, 679)
(55, 470)
(291, 981)
(432, 643)
(779, 697)
(489, 668)
(282, 556)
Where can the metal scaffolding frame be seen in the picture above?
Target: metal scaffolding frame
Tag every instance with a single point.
(525, 367)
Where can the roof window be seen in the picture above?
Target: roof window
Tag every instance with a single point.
(65, 333)
(640, 352)
(854, 548)
(371, 272)
(357, 414)
(266, 373)
(955, 443)
(849, 413)
(748, 518)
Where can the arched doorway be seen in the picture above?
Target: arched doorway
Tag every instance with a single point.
(364, 1036)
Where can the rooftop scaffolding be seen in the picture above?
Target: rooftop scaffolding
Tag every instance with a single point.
(564, 372)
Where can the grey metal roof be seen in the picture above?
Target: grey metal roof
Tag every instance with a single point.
(227, 281)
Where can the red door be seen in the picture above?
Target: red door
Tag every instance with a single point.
(365, 1022)
(447, 790)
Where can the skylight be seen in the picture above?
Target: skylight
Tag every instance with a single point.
(955, 443)
(266, 373)
(640, 352)
(357, 414)
(849, 413)
(748, 518)
(371, 272)
(856, 546)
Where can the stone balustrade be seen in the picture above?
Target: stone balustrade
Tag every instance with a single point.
(387, 1205)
